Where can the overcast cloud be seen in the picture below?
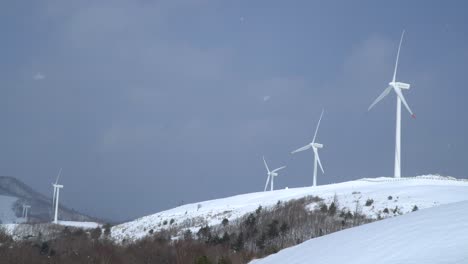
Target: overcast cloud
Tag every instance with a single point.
(149, 104)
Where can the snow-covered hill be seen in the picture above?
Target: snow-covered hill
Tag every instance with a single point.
(430, 236)
(399, 196)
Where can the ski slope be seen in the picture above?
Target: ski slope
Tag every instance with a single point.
(422, 191)
(431, 236)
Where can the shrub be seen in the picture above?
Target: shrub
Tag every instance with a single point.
(188, 234)
(250, 221)
(415, 208)
(284, 228)
(239, 242)
(204, 233)
(165, 222)
(390, 197)
(332, 209)
(226, 238)
(323, 208)
(386, 211)
(96, 233)
(224, 260)
(273, 229)
(202, 260)
(259, 209)
(107, 229)
(172, 221)
(225, 222)
(369, 202)
(261, 241)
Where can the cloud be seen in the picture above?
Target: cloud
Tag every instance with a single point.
(39, 76)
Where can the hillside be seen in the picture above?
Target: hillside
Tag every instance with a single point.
(13, 193)
(430, 236)
(398, 196)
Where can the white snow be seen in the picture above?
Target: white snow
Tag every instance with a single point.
(430, 236)
(84, 225)
(7, 215)
(422, 191)
(22, 231)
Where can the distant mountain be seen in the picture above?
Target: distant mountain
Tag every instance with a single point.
(14, 193)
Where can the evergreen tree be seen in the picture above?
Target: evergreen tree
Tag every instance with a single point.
(273, 229)
(332, 209)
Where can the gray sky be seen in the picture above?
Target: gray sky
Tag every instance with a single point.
(148, 104)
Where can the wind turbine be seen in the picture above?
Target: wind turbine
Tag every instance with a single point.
(55, 199)
(271, 174)
(25, 211)
(397, 88)
(315, 146)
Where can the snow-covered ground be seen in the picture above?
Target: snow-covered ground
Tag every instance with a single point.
(7, 215)
(84, 225)
(422, 191)
(21, 231)
(430, 236)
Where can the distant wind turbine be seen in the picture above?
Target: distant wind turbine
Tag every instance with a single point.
(315, 146)
(25, 212)
(271, 175)
(55, 199)
(397, 88)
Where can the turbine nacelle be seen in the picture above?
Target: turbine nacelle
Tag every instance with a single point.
(316, 145)
(400, 85)
(57, 185)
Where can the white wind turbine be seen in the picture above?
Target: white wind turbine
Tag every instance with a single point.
(271, 175)
(25, 212)
(397, 87)
(55, 199)
(315, 146)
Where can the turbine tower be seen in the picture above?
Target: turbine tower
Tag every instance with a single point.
(25, 212)
(271, 175)
(315, 146)
(397, 88)
(55, 199)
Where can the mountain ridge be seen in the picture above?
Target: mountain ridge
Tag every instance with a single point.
(41, 205)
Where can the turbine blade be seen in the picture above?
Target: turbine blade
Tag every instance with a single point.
(318, 160)
(266, 184)
(381, 96)
(280, 168)
(266, 166)
(402, 98)
(318, 124)
(301, 149)
(398, 55)
(58, 176)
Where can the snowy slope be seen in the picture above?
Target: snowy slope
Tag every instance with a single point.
(422, 191)
(7, 214)
(430, 236)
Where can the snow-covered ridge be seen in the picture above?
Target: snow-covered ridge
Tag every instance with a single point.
(428, 177)
(398, 196)
(435, 235)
